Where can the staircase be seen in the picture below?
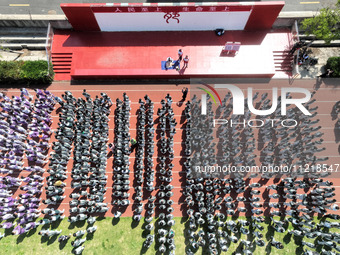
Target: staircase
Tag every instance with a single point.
(62, 65)
(283, 61)
(18, 38)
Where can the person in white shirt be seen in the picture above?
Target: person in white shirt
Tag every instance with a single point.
(186, 61)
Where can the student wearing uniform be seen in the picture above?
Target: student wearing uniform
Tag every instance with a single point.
(168, 63)
(184, 93)
(186, 61)
(180, 54)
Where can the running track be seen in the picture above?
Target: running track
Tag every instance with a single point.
(326, 96)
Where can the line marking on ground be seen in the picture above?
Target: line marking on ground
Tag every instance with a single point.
(146, 90)
(17, 5)
(309, 2)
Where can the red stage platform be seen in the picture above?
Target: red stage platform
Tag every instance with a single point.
(103, 55)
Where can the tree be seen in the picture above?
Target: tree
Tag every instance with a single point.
(325, 25)
(333, 63)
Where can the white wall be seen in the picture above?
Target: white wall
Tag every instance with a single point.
(154, 21)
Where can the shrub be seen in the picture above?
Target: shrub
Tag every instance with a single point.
(35, 72)
(324, 25)
(333, 63)
(25, 72)
(9, 71)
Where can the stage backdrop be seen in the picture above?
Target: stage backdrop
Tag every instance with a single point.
(172, 16)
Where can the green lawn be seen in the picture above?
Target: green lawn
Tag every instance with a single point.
(123, 238)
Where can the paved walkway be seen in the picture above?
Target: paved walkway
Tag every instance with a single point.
(24, 55)
(322, 53)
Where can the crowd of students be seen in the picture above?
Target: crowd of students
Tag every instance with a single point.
(121, 152)
(144, 153)
(89, 157)
(163, 203)
(24, 138)
(25, 133)
(294, 197)
(89, 136)
(209, 199)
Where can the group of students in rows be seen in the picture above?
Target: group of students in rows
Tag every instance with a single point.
(24, 142)
(210, 200)
(295, 145)
(90, 155)
(121, 150)
(79, 238)
(61, 153)
(164, 233)
(143, 173)
(213, 197)
(25, 131)
(144, 151)
(83, 124)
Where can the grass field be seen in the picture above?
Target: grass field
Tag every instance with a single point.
(124, 237)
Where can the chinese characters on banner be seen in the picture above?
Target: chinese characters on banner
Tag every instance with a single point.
(174, 9)
(172, 13)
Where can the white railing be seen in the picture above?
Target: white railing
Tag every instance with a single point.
(48, 45)
(295, 63)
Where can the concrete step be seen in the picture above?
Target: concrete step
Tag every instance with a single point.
(62, 55)
(283, 56)
(33, 31)
(17, 38)
(21, 39)
(280, 51)
(283, 70)
(283, 64)
(283, 67)
(61, 63)
(283, 59)
(20, 46)
(321, 43)
(64, 70)
(318, 43)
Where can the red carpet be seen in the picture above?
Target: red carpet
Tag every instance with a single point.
(93, 55)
